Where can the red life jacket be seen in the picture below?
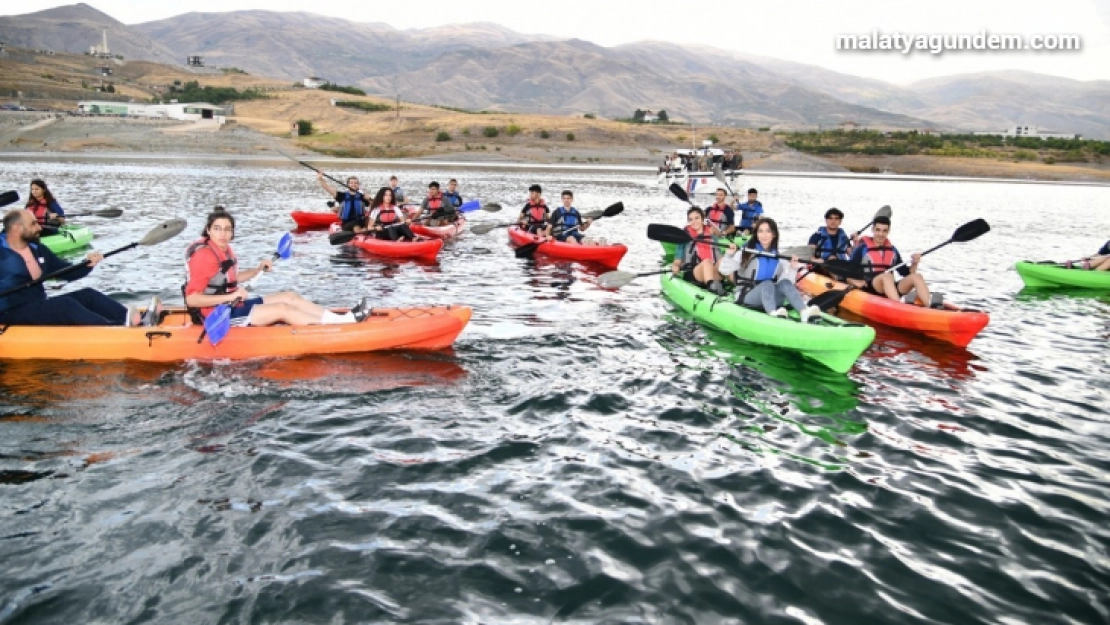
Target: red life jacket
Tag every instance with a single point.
(226, 279)
(879, 258)
(39, 208)
(704, 249)
(435, 204)
(536, 213)
(387, 214)
(716, 215)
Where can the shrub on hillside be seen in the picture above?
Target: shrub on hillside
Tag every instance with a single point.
(443, 136)
(304, 127)
(490, 131)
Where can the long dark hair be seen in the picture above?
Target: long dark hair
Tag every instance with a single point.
(752, 242)
(379, 197)
(46, 194)
(219, 213)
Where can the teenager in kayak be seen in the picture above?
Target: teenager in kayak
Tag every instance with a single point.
(535, 216)
(750, 211)
(437, 210)
(45, 208)
(352, 203)
(830, 240)
(877, 253)
(567, 217)
(1098, 262)
(390, 221)
(720, 215)
(763, 282)
(452, 193)
(23, 259)
(214, 277)
(697, 260)
(398, 194)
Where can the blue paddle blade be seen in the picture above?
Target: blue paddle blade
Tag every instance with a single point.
(285, 246)
(472, 205)
(217, 324)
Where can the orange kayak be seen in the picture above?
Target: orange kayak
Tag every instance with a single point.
(951, 324)
(175, 339)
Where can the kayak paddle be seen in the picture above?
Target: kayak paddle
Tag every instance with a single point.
(218, 322)
(528, 250)
(107, 212)
(284, 252)
(9, 197)
(162, 232)
(720, 176)
(882, 212)
(968, 232)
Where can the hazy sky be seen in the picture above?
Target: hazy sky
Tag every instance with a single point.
(797, 30)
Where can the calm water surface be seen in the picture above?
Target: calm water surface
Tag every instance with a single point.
(582, 455)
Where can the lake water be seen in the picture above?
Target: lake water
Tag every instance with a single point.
(582, 455)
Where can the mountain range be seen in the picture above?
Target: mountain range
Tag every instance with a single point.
(486, 66)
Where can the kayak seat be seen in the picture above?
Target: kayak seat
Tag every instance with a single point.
(194, 314)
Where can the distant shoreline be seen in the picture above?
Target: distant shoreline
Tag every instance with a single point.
(650, 172)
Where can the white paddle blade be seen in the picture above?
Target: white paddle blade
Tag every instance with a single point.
(616, 279)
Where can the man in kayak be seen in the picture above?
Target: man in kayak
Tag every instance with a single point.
(23, 259)
(697, 260)
(352, 203)
(535, 215)
(452, 193)
(1098, 262)
(766, 282)
(214, 277)
(749, 212)
(567, 223)
(878, 254)
(45, 208)
(435, 209)
(720, 216)
(398, 194)
(830, 240)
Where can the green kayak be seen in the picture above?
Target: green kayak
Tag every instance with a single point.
(1055, 275)
(669, 248)
(832, 342)
(68, 239)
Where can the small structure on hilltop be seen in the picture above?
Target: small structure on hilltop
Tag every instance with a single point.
(314, 82)
(100, 50)
(1032, 132)
(190, 111)
(848, 125)
(104, 71)
(194, 61)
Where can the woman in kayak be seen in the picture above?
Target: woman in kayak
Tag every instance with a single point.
(214, 277)
(45, 208)
(390, 222)
(766, 282)
(697, 260)
(1098, 262)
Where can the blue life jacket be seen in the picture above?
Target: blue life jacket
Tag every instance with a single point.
(748, 214)
(767, 266)
(453, 197)
(354, 208)
(566, 218)
(828, 247)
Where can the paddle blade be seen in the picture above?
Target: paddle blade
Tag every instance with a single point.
(528, 250)
(598, 214)
(484, 228)
(285, 246)
(845, 269)
(803, 252)
(492, 207)
(668, 234)
(971, 230)
(467, 207)
(164, 232)
(9, 197)
(616, 279)
(883, 212)
(613, 210)
(828, 299)
(341, 237)
(110, 213)
(679, 192)
(217, 324)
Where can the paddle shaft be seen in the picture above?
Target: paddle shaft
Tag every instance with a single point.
(931, 249)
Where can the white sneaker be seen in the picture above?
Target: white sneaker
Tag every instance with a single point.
(132, 312)
(153, 311)
(780, 312)
(808, 313)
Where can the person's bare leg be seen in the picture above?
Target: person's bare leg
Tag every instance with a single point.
(269, 314)
(916, 281)
(295, 302)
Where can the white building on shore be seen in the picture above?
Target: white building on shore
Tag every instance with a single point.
(191, 111)
(1032, 132)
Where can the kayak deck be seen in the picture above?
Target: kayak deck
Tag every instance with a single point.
(607, 255)
(68, 239)
(1055, 275)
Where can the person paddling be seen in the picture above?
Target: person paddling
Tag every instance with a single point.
(438, 210)
(352, 203)
(830, 240)
(1098, 262)
(697, 260)
(764, 282)
(877, 254)
(45, 208)
(749, 211)
(214, 278)
(23, 259)
(567, 223)
(390, 222)
(720, 215)
(452, 193)
(535, 215)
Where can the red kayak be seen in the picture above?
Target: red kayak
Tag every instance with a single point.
(951, 324)
(419, 250)
(314, 220)
(439, 232)
(608, 255)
